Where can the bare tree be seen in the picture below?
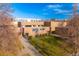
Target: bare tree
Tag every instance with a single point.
(74, 35)
(9, 38)
(71, 31)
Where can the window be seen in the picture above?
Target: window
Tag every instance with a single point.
(27, 25)
(42, 25)
(38, 25)
(34, 25)
(35, 29)
(19, 24)
(42, 29)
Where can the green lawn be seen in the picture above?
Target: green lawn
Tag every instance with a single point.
(51, 46)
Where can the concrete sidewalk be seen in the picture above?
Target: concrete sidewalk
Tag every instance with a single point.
(28, 48)
(59, 36)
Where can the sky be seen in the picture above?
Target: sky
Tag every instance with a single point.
(43, 10)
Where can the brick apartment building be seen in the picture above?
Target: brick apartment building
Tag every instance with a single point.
(37, 27)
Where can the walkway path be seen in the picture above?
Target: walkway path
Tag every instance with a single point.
(59, 36)
(28, 48)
